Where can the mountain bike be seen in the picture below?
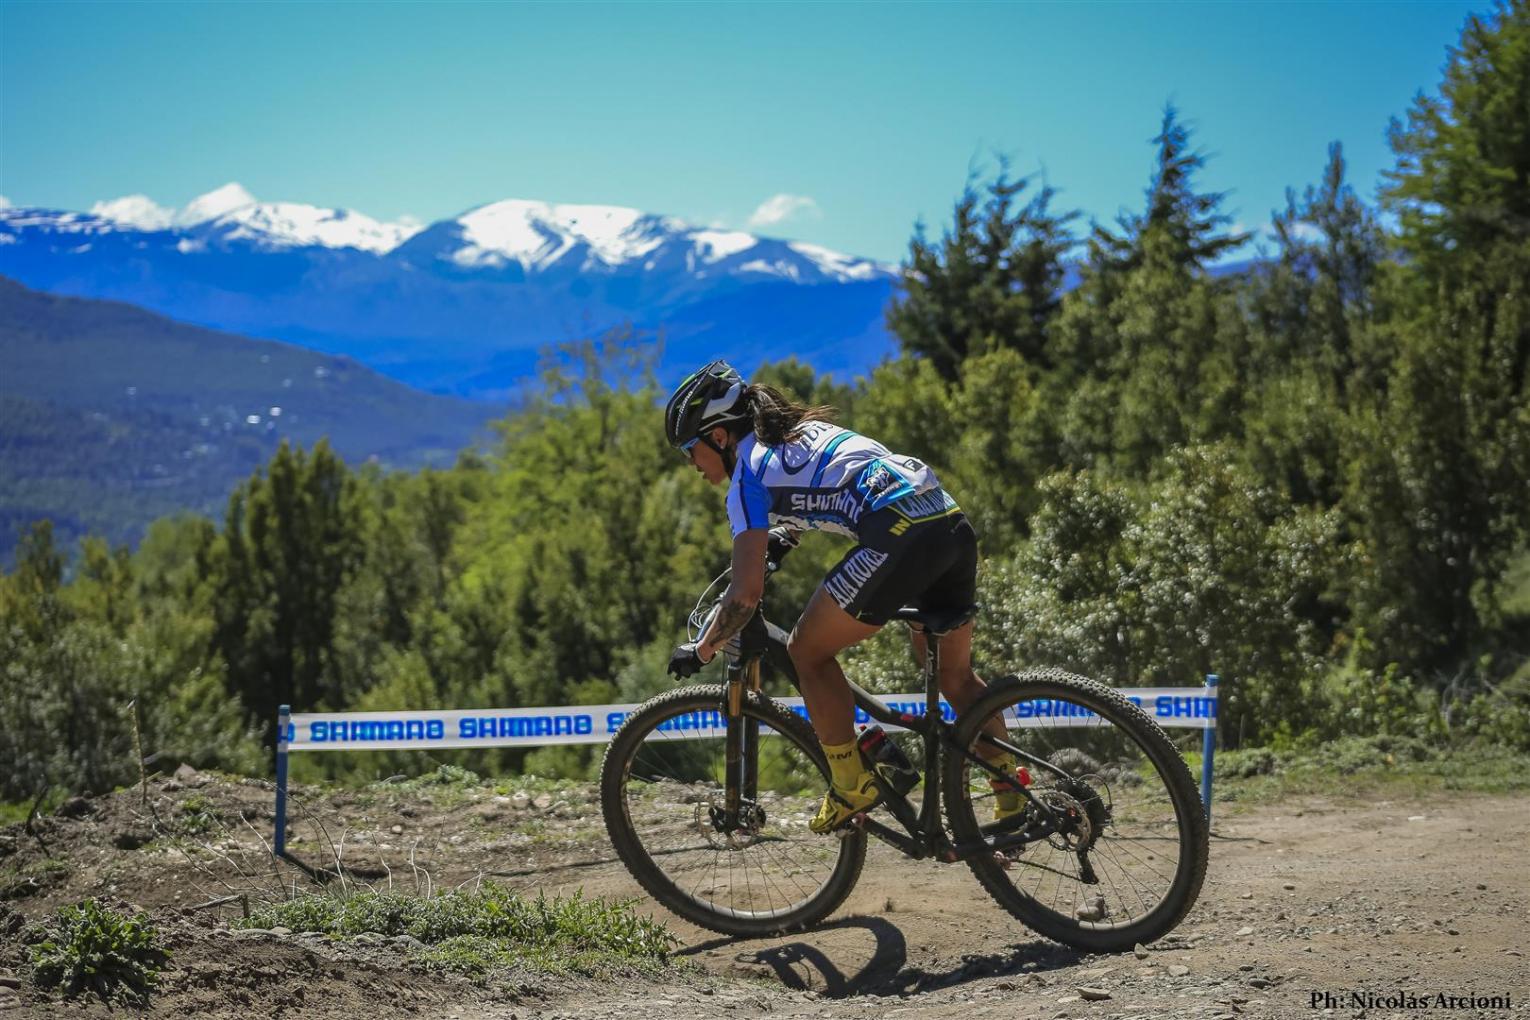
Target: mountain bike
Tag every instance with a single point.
(707, 791)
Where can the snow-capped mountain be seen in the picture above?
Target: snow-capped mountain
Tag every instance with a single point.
(600, 238)
(231, 214)
(461, 304)
(537, 236)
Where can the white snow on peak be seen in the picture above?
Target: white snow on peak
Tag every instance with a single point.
(292, 224)
(536, 234)
(138, 211)
(214, 204)
(769, 268)
(716, 245)
(841, 267)
(62, 222)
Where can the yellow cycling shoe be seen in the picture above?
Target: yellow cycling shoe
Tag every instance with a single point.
(840, 805)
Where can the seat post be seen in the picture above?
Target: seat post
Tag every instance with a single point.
(932, 674)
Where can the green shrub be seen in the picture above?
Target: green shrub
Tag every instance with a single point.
(450, 775)
(196, 815)
(1355, 700)
(1501, 714)
(91, 947)
(1351, 754)
(1246, 762)
(446, 778)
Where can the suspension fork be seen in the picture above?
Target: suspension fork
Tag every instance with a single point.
(742, 743)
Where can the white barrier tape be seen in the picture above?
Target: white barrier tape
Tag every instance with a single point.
(1189, 707)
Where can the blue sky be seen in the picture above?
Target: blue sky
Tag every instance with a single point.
(864, 117)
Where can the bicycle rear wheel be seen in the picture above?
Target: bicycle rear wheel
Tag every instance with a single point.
(1128, 861)
(663, 796)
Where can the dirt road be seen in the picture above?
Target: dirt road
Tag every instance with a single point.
(1427, 899)
(1314, 909)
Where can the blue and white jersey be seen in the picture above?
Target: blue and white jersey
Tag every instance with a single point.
(826, 479)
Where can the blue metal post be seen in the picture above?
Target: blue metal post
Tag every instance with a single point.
(283, 724)
(1209, 747)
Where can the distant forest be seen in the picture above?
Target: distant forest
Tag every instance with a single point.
(1312, 477)
(112, 416)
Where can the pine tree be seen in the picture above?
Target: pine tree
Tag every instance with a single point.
(1140, 344)
(1462, 180)
(1181, 227)
(1439, 491)
(1313, 315)
(292, 536)
(993, 281)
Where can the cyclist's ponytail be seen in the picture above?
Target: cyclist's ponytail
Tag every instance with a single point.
(776, 417)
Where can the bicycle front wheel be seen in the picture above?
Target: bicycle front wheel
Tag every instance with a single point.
(1123, 841)
(759, 871)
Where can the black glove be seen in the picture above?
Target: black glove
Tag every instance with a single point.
(684, 661)
(782, 541)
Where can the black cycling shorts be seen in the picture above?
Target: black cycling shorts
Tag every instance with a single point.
(931, 564)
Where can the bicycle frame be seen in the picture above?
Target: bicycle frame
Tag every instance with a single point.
(925, 835)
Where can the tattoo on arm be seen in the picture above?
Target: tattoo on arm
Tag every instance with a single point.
(730, 619)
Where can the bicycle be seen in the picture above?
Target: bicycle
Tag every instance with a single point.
(707, 790)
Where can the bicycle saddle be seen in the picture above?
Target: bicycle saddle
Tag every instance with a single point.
(936, 621)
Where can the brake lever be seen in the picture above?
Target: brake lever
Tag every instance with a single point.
(781, 542)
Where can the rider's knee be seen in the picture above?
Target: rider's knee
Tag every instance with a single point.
(803, 652)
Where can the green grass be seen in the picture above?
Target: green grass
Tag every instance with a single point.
(195, 815)
(491, 928)
(1364, 768)
(533, 784)
(447, 787)
(14, 812)
(445, 777)
(35, 876)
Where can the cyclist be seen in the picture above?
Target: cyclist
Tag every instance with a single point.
(789, 465)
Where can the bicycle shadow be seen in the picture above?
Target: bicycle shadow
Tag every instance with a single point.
(802, 965)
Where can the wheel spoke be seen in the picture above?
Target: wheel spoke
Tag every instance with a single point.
(1128, 810)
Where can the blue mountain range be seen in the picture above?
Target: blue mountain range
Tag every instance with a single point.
(461, 306)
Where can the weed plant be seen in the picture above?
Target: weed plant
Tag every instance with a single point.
(91, 947)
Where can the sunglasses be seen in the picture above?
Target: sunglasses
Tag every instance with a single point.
(687, 447)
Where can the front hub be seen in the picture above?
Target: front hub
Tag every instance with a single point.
(737, 833)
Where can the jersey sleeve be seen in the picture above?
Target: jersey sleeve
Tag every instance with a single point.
(748, 502)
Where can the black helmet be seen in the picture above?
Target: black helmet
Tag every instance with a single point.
(709, 397)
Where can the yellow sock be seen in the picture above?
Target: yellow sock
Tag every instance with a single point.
(1006, 800)
(845, 764)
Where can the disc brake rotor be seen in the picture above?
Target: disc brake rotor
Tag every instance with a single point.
(714, 829)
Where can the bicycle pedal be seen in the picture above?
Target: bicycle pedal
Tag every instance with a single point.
(855, 823)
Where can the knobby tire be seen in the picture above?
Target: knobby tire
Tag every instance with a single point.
(627, 746)
(1062, 925)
